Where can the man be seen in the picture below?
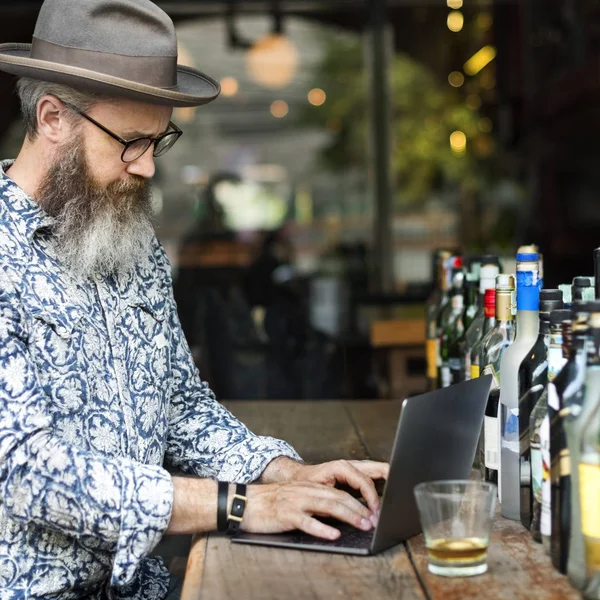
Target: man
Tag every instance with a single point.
(97, 385)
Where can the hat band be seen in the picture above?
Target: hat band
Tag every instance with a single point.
(155, 71)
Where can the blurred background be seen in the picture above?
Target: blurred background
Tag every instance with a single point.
(302, 210)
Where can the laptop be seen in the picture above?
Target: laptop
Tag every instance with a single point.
(436, 438)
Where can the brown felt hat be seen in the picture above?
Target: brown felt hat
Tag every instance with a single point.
(113, 47)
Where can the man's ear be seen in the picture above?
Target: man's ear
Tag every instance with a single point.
(52, 120)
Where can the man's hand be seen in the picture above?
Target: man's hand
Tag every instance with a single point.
(278, 507)
(288, 496)
(358, 474)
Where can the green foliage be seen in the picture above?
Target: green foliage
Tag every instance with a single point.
(425, 111)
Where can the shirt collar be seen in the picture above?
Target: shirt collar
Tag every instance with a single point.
(22, 204)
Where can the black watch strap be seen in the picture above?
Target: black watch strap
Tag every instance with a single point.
(222, 506)
(237, 509)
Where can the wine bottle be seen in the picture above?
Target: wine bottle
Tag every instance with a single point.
(487, 278)
(576, 413)
(589, 463)
(489, 305)
(556, 362)
(597, 272)
(471, 301)
(452, 334)
(533, 374)
(453, 264)
(564, 385)
(528, 299)
(493, 347)
(435, 304)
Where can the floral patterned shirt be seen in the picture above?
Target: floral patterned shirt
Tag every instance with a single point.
(97, 391)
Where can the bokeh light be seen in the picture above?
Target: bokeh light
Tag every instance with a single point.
(317, 97)
(455, 21)
(272, 61)
(280, 109)
(229, 86)
(458, 142)
(456, 79)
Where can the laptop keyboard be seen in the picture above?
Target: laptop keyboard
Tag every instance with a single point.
(350, 537)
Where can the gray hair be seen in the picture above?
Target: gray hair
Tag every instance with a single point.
(31, 91)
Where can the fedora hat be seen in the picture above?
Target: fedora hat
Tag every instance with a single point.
(113, 47)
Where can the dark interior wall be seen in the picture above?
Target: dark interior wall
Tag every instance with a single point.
(553, 103)
(16, 27)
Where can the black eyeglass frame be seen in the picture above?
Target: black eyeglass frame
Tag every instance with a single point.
(128, 143)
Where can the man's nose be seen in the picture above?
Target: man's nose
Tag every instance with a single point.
(144, 165)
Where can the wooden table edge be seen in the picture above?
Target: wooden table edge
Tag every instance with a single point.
(194, 571)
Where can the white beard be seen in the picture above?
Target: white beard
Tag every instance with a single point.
(104, 246)
(98, 230)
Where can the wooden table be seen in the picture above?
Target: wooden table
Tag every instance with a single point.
(321, 431)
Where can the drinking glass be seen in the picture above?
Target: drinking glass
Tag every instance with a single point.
(456, 517)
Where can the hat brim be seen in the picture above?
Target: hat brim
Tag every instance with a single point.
(193, 88)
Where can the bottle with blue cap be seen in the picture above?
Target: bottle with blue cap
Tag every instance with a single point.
(528, 299)
(533, 378)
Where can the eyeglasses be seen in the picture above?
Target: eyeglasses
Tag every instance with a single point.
(136, 148)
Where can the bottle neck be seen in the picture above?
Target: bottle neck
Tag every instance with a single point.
(473, 298)
(505, 305)
(527, 324)
(528, 288)
(458, 303)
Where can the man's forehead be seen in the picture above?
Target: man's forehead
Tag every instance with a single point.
(135, 118)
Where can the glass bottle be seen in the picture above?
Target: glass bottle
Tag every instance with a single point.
(489, 305)
(528, 300)
(487, 278)
(533, 376)
(435, 304)
(493, 347)
(597, 273)
(582, 289)
(576, 412)
(568, 387)
(556, 362)
(473, 266)
(453, 264)
(452, 334)
(589, 463)
(471, 301)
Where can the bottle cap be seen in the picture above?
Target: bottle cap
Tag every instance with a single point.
(487, 277)
(528, 248)
(560, 316)
(505, 281)
(549, 300)
(551, 294)
(489, 259)
(527, 257)
(489, 300)
(582, 282)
